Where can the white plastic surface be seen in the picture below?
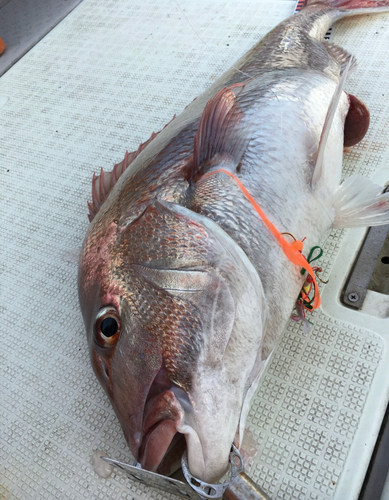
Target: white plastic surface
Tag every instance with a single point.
(98, 84)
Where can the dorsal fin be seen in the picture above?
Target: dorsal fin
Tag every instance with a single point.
(221, 130)
(105, 181)
(318, 167)
(343, 57)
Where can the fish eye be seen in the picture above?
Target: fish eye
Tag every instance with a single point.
(107, 326)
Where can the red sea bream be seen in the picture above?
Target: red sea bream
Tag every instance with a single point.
(183, 287)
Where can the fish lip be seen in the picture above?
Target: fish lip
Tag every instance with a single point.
(164, 406)
(163, 413)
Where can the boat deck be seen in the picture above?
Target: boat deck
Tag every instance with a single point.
(98, 83)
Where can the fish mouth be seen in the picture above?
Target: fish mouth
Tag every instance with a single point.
(163, 413)
(169, 427)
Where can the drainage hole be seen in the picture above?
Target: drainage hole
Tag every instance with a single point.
(385, 260)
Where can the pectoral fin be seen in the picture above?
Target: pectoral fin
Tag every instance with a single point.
(222, 136)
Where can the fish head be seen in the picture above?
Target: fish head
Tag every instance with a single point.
(174, 313)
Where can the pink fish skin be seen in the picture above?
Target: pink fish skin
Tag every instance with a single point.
(183, 290)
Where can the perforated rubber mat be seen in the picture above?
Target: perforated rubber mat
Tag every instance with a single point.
(99, 83)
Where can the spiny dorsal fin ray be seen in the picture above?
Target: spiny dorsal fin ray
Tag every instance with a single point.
(103, 183)
(318, 163)
(221, 131)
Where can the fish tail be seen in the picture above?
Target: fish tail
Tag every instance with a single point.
(322, 14)
(351, 7)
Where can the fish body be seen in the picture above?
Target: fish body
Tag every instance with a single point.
(183, 288)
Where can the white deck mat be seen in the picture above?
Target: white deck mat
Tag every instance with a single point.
(98, 84)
